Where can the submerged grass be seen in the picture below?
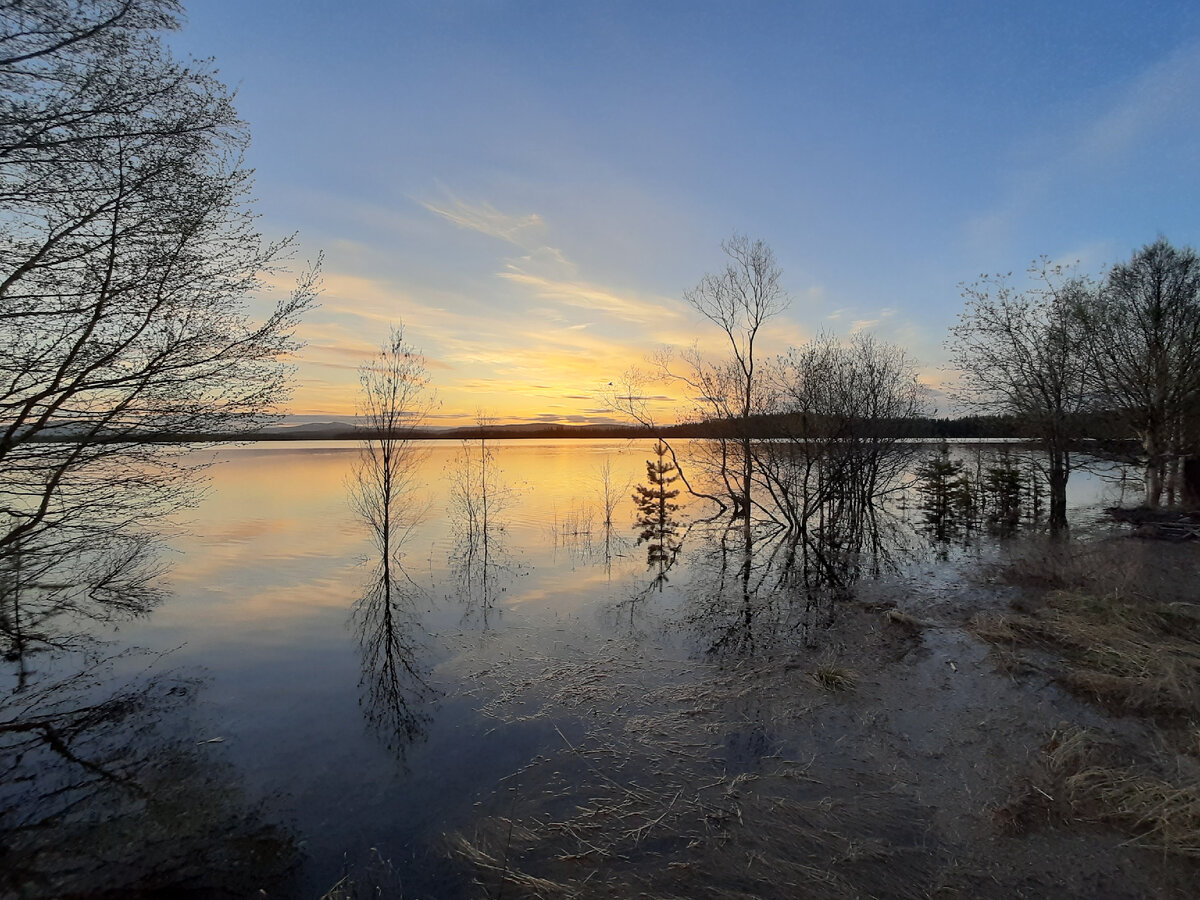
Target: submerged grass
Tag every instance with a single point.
(643, 797)
(681, 779)
(1086, 777)
(833, 677)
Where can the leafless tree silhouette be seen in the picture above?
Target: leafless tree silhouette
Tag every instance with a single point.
(128, 254)
(1023, 353)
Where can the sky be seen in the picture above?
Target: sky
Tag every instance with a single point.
(530, 187)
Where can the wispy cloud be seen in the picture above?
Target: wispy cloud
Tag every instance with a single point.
(594, 297)
(1153, 101)
(1137, 116)
(522, 230)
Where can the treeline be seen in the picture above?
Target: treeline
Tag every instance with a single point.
(1115, 358)
(1098, 431)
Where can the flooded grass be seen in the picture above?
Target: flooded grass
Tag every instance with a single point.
(1126, 635)
(596, 720)
(1117, 624)
(647, 795)
(1086, 777)
(834, 677)
(820, 772)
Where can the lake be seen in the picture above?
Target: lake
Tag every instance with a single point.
(296, 725)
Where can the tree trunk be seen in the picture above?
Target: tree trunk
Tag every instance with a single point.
(1154, 482)
(1152, 443)
(1058, 492)
(1191, 482)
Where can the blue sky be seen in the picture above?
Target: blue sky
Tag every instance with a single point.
(532, 186)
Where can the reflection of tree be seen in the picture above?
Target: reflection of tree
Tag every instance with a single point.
(997, 491)
(483, 569)
(478, 498)
(945, 489)
(657, 528)
(126, 257)
(51, 585)
(394, 682)
(842, 412)
(111, 795)
(777, 596)
(393, 401)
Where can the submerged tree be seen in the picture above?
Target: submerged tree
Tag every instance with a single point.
(477, 498)
(841, 412)
(739, 300)
(1023, 354)
(656, 506)
(1143, 333)
(945, 495)
(394, 401)
(1004, 488)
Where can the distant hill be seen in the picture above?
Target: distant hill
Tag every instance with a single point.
(771, 426)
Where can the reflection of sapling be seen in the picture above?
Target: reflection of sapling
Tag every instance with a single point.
(1004, 488)
(940, 481)
(655, 506)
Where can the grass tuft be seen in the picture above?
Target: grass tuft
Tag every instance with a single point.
(833, 677)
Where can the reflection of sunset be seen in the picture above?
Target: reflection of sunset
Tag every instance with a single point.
(281, 511)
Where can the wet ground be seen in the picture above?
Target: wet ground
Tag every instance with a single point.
(758, 778)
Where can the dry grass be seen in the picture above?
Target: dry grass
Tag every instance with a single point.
(1133, 570)
(833, 677)
(1084, 776)
(1119, 625)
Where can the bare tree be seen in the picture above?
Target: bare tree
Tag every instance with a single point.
(630, 398)
(1022, 353)
(840, 411)
(393, 402)
(739, 300)
(610, 491)
(1143, 331)
(128, 252)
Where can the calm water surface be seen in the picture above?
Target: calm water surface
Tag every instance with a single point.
(321, 731)
(264, 588)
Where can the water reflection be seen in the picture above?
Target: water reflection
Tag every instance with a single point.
(55, 588)
(482, 570)
(114, 793)
(383, 492)
(778, 593)
(480, 562)
(995, 490)
(266, 608)
(656, 524)
(394, 682)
